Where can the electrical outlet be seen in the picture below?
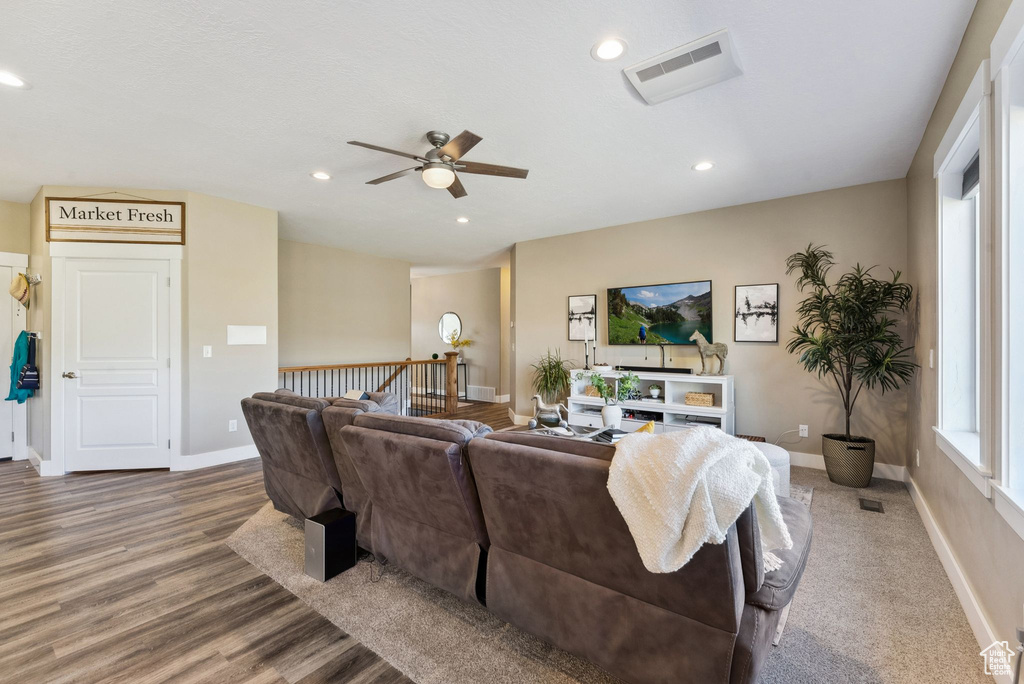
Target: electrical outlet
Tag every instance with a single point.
(207, 351)
(917, 458)
(232, 426)
(803, 430)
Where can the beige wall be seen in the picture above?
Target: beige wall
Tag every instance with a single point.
(231, 248)
(338, 306)
(985, 546)
(506, 333)
(230, 277)
(476, 297)
(733, 246)
(14, 227)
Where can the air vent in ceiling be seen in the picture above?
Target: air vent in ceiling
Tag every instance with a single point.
(705, 61)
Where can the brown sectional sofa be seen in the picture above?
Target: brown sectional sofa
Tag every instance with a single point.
(300, 471)
(524, 524)
(563, 565)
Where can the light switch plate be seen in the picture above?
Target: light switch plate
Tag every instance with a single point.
(207, 351)
(232, 426)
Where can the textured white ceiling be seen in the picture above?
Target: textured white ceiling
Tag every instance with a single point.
(244, 99)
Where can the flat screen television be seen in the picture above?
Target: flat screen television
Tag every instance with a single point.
(659, 314)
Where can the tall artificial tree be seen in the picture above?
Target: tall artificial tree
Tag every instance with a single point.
(848, 330)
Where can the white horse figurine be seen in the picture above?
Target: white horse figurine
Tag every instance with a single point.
(707, 350)
(542, 407)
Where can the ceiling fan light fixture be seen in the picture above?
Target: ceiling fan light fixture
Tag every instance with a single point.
(12, 80)
(438, 175)
(608, 49)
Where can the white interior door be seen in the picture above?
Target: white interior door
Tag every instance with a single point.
(116, 364)
(7, 312)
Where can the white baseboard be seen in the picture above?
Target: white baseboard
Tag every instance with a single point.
(503, 398)
(883, 471)
(517, 419)
(983, 631)
(214, 458)
(45, 468)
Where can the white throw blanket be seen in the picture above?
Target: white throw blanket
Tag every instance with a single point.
(681, 490)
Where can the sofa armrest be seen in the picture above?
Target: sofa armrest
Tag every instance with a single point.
(778, 586)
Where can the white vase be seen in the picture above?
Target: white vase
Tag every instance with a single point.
(611, 416)
(655, 393)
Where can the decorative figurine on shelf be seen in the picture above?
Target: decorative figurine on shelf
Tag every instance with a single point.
(547, 415)
(707, 350)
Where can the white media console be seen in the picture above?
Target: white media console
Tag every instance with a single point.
(670, 413)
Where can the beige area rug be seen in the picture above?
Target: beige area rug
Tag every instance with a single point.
(428, 634)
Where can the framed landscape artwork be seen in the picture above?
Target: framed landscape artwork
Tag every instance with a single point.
(757, 313)
(582, 318)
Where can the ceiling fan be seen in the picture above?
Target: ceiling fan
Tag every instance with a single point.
(438, 166)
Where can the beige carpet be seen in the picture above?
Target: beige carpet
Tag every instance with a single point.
(431, 636)
(874, 605)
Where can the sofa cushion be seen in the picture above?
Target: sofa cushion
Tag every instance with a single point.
(588, 448)
(283, 396)
(457, 431)
(778, 586)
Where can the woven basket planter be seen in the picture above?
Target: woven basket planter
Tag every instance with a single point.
(848, 463)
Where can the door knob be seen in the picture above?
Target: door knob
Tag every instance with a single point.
(69, 375)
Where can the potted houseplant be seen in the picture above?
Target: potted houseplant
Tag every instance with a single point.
(551, 380)
(655, 390)
(848, 332)
(611, 413)
(457, 344)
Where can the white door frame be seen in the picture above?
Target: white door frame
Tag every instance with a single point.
(18, 319)
(60, 252)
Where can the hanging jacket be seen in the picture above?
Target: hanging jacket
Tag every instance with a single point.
(18, 360)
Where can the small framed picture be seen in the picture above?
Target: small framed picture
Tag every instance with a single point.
(757, 313)
(582, 318)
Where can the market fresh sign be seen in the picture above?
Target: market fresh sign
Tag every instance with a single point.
(70, 219)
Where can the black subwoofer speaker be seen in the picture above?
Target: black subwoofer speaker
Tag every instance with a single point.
(330, 543)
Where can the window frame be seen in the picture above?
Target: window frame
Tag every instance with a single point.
(1006, 49)
(971, 451)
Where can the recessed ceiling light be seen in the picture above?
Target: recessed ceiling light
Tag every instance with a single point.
(703, 166)
(9, 79)
(608, 49)
(462, 219)
(321, 175)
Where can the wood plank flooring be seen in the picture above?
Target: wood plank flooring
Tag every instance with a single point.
(124, 577)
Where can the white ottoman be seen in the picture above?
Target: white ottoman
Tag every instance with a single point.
(779, 458)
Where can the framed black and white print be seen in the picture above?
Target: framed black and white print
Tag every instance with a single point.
(757, 313)
(583, 318)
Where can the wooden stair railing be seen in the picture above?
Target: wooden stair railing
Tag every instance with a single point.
(425, 388)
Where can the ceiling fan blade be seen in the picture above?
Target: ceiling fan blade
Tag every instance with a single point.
(491, 170)
(458, 146)
(385, 149)
(456, 189)
(392, 176)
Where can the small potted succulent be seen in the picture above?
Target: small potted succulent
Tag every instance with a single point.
(655, 390)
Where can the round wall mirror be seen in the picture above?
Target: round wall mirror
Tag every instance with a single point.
(449, 324)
